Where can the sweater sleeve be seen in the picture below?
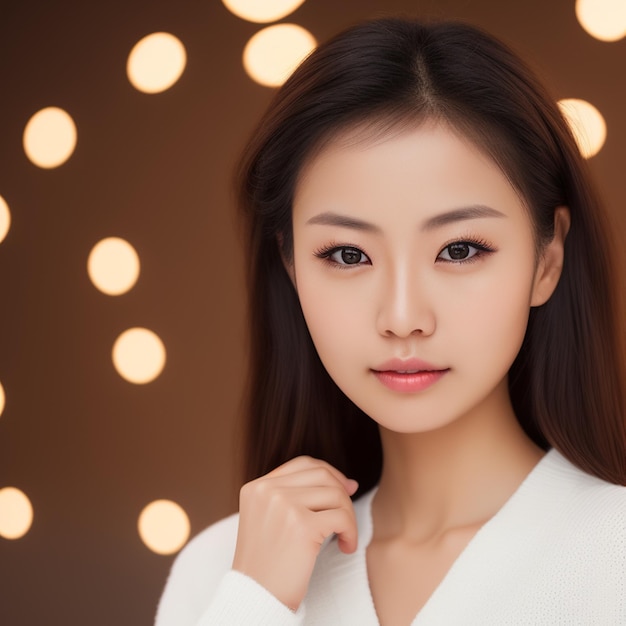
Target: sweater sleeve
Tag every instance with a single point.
(203, 590)
(241, 601)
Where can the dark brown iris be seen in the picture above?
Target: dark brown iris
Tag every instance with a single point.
(458, 251)
(350, 256)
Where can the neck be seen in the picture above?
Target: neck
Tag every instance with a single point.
(456, 476)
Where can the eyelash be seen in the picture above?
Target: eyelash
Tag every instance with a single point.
(481, 246)
(326, 252)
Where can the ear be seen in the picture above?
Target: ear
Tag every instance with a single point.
(550, 264)
(287, 264)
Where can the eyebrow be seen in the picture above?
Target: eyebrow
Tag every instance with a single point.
(333, 219)
(474, 211)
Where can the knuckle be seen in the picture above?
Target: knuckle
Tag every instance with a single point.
(294, 517)
(253, 491)
(307, 461)
(323, 474)
(275, 499)
(295, 520)
(244, 492)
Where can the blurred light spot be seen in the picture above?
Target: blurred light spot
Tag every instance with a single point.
(5, 219)
(164, 526)
(50, 137)
(2, 399)
(138, 355)
(602, 19)
(265, 11)
(273, 53)
(16, 513)
(587, 124)
(156, 62)
(113, 266)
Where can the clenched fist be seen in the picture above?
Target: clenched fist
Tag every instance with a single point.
(285, 516)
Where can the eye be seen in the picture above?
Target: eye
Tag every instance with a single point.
(463, 251)
(459, 251)
(348, 256)
(343, 256)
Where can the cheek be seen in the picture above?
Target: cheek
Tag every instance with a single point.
(328, 318)
(335, 317)
(495, 317)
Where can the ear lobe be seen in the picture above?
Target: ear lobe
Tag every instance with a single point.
(287, 264)
(551, 262)
(290, 272)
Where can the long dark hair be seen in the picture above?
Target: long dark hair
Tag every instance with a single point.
(567, 382)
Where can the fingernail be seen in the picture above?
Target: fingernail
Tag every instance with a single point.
(353, 485)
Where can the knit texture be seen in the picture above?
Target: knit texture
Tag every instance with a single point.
(554, 554)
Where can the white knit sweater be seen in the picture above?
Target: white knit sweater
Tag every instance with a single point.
(555, 554)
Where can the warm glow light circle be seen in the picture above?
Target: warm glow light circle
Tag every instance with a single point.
(113, 266)
(156, 62)
(5, 219)
(587, 124)
(602, 19)
(164, 526)
(50, 137)
(2, 399)
(16, 513)
(273, 53)
(138, 355)
(265, 11)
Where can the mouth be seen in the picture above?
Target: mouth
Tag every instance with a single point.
(408, 376)
(407, 366)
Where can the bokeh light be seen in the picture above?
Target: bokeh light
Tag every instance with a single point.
(156, 62)
(139, 355)
(16, 513)
(50, 137)
(164, 526)
(273, 53)
(261, 12)
(2, 399)
(113, 266)
(602, 19)
(5, 219)
(587, 124)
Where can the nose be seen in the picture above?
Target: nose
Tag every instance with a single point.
(405, 307)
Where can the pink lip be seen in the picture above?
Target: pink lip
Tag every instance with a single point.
(408, 376)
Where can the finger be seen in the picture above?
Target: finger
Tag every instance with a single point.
(315, 498)
(303, 462)
(342, 523)
(305, 470)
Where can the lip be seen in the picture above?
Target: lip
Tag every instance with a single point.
(408, 375)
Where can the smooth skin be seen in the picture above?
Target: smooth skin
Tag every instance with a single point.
(409, 245)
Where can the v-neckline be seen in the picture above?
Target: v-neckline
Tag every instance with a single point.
(464, 556)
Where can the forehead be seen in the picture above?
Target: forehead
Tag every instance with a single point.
(425, 168)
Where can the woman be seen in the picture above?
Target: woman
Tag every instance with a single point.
(434, 334)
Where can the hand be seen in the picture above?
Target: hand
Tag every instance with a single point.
(285, 516)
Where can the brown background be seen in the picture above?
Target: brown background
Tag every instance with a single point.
(88, 448)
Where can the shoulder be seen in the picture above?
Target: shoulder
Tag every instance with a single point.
(588, 499)
(575, 548)
(197, 572)
(581, 518)
(215, 545)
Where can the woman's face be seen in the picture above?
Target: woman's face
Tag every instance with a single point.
(415, 265)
